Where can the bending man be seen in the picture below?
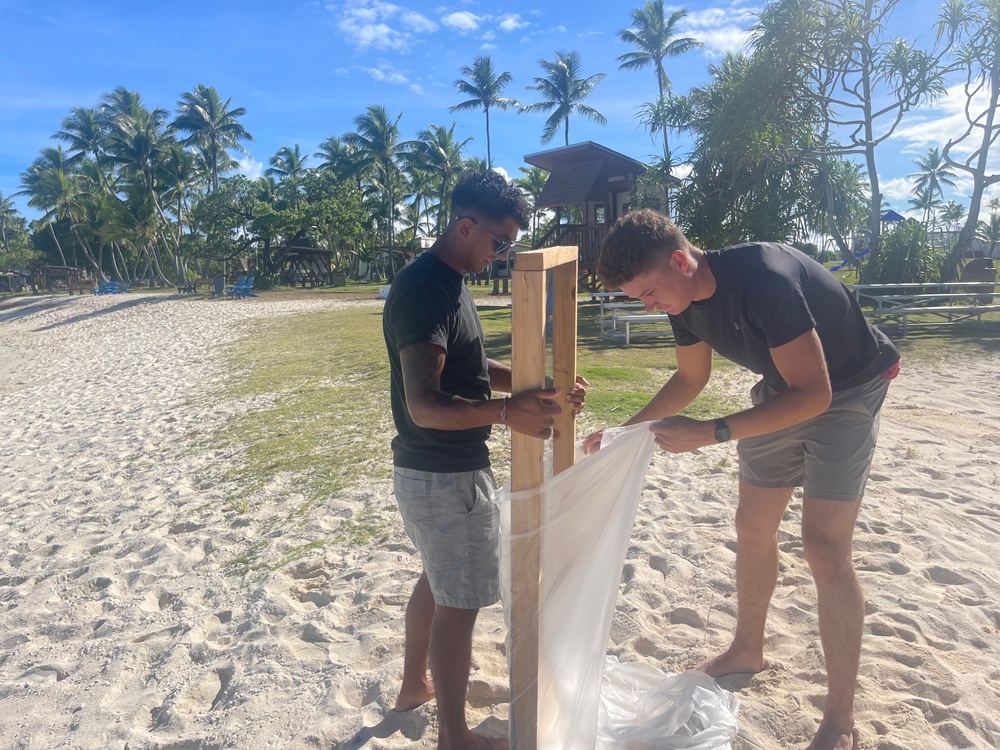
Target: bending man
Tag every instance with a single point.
(824, 374)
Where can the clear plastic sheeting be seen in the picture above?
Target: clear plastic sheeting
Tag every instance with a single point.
(586, 523)
(644, 709)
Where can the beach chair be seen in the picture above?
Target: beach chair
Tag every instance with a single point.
(106, 287)
(244, 290)
(219, 286)
(231, 290)
(121, 287)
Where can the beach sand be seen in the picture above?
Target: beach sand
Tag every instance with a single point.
(122, 626)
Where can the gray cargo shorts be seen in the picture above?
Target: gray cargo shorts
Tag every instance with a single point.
(829, 456)
(454, 524)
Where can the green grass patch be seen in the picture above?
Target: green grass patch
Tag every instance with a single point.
(319, 425)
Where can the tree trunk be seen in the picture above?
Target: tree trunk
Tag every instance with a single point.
(489, 157)
(58, 246)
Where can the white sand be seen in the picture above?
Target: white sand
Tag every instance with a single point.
(119, 626)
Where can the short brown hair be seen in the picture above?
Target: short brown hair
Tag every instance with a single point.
(636, 243)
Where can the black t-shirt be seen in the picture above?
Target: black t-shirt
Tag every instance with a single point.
(769, 294)
(428, 303)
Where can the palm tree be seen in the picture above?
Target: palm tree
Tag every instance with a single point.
(376, 139)
(924, 199)
(288, 162)
(49, 189)
(214, 127)
(338, 157)
(654, 38)
(953, 214)
(436, 151)
(531, 185)
(563, 91)
(989, 232)
(485, 88)
(934, 173)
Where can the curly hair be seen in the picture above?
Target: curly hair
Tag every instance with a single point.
(636, 243)
(489, 195)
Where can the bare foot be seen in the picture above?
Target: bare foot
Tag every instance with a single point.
(831, 738)
(412, 696)
(473, 741)
(731, 662)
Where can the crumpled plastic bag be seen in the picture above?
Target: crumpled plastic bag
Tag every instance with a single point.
(587, 517)
(644, 709)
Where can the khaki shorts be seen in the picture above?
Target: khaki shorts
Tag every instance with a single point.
(453, 522)
(829, 456)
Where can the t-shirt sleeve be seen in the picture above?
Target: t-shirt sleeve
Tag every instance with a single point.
(778, 307)
(682, 334)
(423, 319)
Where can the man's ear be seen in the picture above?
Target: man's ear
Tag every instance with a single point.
(680, 261)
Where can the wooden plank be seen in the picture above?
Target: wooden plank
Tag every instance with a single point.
(564, 362)
(546, 258)
(528, 372)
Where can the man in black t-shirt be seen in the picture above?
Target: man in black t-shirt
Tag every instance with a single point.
(824, 375)
(441, 387)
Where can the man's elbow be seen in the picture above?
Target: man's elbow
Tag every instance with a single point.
(821, 397)
(421, 416)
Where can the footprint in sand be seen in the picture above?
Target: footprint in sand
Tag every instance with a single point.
(205, 693)
(43, 673)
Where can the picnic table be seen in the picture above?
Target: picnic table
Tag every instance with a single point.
(948, 302)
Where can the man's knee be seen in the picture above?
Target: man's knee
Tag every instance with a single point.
(828, 555)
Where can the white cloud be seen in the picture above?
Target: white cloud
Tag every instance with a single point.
(250, 167)
(462, 20)
(489, 36)
(721, 30)
(418, 22)
(896, 191)
(385, 74)
(378, 24)
(488, 46)
(511, 22)
(932, 125)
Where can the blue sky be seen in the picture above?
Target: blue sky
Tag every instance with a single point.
(304, 70)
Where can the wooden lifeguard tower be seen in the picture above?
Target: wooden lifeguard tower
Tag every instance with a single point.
(590, 186)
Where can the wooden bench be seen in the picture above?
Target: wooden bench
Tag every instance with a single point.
(629, 318)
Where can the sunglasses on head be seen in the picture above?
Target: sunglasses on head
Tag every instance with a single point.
(502, 246)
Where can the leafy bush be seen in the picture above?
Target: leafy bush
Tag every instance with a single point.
(907, 256)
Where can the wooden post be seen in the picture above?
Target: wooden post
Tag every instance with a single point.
(528, 372)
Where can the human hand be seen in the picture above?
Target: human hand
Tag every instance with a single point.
(592, 443)
(682, 434)
(578, 394)
(533, 412)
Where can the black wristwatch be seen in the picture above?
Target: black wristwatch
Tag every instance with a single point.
(721, 431)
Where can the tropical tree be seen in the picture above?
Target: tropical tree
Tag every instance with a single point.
(934, 173)
(438, 153)
(952, 215)
(47, 185)
(339, 158)
(287, 163)
(484, 88)
(858, 81)
(214, 127)
(989, 231)
(563, 90)
(376, 139)
(653, 35)
(15, 248)
(975, 24)
(926, 200)
(532, 185)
